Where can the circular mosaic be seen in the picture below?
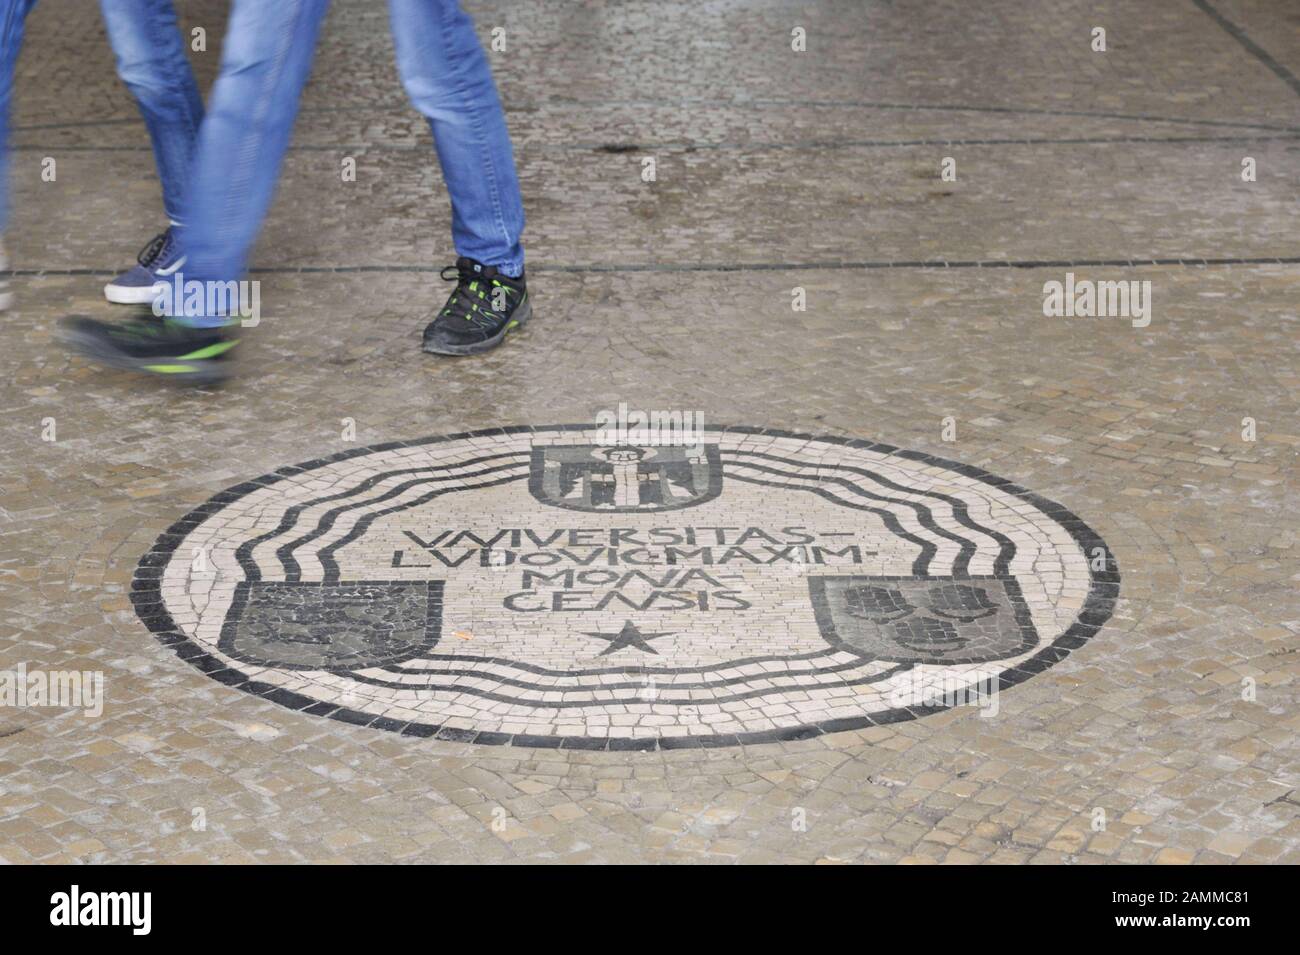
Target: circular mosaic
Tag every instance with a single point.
(540, 586)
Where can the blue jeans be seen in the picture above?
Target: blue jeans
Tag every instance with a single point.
(151, 61)
(264, 66)
(13, 14)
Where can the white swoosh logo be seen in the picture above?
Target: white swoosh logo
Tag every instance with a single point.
(171, 268)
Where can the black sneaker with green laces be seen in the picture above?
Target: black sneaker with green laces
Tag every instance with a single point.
(157, 346)
(485, 307)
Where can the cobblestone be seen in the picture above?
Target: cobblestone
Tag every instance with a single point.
(1168, 737)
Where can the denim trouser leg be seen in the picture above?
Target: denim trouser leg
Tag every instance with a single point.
(13, 13)
(446, 75)
(264, 65)
(151, 61)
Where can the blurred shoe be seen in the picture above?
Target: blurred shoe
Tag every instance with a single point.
(484, 308)
(156, 262)
(157, 346)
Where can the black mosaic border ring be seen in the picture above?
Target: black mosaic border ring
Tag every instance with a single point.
(146, 597)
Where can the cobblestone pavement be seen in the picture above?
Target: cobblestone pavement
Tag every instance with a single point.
(1170, 736)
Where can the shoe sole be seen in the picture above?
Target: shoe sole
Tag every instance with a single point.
(129, 294)
(518, 320)
(190, 373)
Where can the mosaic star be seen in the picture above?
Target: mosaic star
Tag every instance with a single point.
(629, 636)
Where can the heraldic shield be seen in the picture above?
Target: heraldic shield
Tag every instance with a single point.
(939, 620)
(339, 625)
(624, 478)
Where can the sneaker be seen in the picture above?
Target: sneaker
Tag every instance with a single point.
(157, 260)
(157, 346)
(484, 308)
(5, 298)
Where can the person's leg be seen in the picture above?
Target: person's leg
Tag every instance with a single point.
(264, 66)
(265, 61)
(151, 61)
(13, 14)
(446, 75)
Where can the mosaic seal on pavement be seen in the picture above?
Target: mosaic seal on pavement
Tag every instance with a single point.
(535, 586)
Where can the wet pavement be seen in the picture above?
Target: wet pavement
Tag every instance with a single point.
(1168, 735)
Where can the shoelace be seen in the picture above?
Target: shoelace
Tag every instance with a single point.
(469, 301)
(154, 249)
